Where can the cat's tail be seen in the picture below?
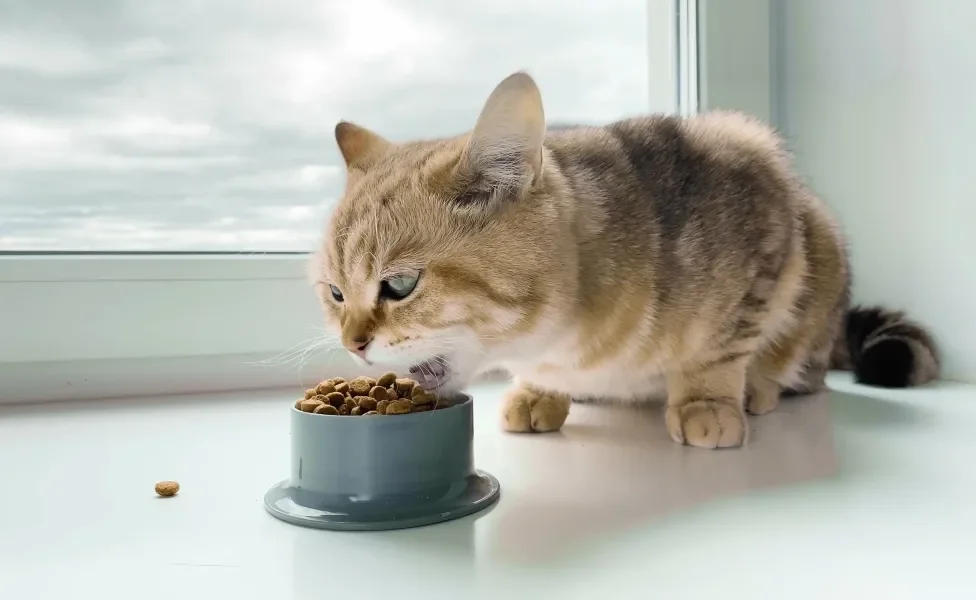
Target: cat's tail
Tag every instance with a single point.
(883, 348)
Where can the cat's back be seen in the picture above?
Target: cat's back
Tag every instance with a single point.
(668, 149)
(718, 182)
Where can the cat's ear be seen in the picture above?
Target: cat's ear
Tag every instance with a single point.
(359, 146)
(504, 152)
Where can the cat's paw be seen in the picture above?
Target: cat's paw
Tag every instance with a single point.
(760, 403)
(530, 411)
(707, 423)
(762, 396)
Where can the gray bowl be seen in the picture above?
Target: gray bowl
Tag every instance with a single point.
(382, 472)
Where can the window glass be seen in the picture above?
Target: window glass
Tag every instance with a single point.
(206, 125)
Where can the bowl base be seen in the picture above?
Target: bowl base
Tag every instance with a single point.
(303, 507)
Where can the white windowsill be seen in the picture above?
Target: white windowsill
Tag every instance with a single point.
(874, 488)
(91, 326)
(58, 268)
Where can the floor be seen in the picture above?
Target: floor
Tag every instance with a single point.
(860, 493)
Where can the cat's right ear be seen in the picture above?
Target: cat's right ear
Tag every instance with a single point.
(503, 156)
(359, 146)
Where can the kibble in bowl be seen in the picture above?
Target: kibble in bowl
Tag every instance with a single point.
(387, 395)
(379, 454)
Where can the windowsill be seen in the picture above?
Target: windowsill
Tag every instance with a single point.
(874, 488)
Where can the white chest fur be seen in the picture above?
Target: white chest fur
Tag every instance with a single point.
(553, 363)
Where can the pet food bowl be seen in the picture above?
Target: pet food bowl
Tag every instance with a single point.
(379, 473)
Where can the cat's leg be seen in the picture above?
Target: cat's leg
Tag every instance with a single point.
(770, 368)
(812, 380)
(796, 359)
(528, 409)
(705, 404)
(795, 363)
(784, 370)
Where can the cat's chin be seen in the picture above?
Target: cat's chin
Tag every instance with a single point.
(437, 376)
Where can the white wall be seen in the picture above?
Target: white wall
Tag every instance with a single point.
(735, 62)
(878, 99)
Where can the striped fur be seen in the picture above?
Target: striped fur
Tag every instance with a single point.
(883, 348)
(654, 257)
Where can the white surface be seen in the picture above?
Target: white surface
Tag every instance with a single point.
(663, 68)
(877, 98)
(688, 45)
(96, 326)
(736, 71)
(56, 308)
(862, 495)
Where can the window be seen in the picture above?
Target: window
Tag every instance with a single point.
(199, 126)
(164, 163)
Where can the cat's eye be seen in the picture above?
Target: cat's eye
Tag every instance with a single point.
(336, 294)
(399, 287)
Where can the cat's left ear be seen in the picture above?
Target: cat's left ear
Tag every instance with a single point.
(359, 146)
(504, 152)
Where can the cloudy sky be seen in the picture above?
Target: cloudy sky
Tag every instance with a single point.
(207, 124)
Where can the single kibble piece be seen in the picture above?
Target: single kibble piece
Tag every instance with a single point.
(370, 413)
(310, 393)
(422, 399)
(320, 398)
(325, 388)
(326, 409)
(359, 386)
(337, 381)
(370, 381)
(342, 388)
(379, 393)
(350, 403)
(355, 411)
(417, 390)
(386, 380)
(167, 488)
(310, 405)
(366, 403)
(298, 403)
(336, 399)
(344, 409)
(403, 386)
(391, 393)
(381, 406)
(399, 407)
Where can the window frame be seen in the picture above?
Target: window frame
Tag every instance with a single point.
(97, 325)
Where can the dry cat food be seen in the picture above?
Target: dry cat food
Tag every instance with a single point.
(365, 396)
(167, 488)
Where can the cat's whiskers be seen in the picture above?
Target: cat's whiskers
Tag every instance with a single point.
(312, 351)
(291, 350)
(300, 353)
(312, 354)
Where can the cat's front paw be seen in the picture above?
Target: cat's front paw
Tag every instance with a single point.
(527, 410)
(719, 423)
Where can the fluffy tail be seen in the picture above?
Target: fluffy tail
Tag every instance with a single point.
(885, 349)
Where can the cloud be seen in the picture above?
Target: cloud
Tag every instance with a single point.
(184, 125)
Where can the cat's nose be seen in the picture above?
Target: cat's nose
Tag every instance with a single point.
(358, 345)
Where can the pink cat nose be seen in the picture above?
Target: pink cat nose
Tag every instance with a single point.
(358, 346)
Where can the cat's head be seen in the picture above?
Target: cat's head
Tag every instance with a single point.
(440, 252)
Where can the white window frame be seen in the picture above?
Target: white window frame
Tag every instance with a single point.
(81, 326)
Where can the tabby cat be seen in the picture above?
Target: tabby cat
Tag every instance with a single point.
(655, 257)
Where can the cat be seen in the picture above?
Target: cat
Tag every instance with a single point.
(655, 257)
